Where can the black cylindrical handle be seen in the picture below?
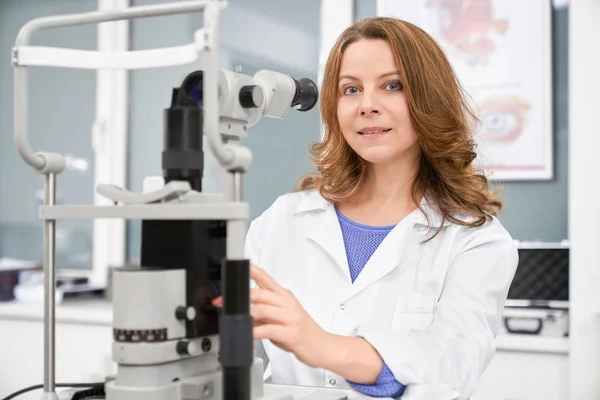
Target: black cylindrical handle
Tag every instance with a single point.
(236, 330)
(182, 157)
(241, 388)
(235, 277)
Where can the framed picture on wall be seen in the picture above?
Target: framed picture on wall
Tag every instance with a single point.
(501, 52)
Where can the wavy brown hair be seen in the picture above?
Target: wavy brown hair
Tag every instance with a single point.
(440, 114)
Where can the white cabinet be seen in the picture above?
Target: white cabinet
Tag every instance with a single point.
(527, 368)
(83, 346)
(524, 367)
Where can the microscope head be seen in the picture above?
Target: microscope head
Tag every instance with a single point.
(244, 99)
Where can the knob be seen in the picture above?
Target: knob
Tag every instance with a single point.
(185, 313)
(186, 348)
(251, 96)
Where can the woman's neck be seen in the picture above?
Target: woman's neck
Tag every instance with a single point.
(386, 198)
(386, 183)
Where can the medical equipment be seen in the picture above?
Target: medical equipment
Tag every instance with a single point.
(166, 333)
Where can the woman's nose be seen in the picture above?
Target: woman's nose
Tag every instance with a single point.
(368, 104)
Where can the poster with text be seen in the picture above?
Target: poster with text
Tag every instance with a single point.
(501, 53)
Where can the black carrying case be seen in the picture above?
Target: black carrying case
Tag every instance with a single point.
(538, 298)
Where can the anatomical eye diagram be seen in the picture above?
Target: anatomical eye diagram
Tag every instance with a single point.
(503, 119)
(468, 29)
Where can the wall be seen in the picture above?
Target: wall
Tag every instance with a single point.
(261, 34)
(535, 210)
(283, 36)
(61, 112)
(584, 213)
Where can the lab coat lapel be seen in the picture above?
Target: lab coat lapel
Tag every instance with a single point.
(384, 260)
(393, 248)
(323, 228)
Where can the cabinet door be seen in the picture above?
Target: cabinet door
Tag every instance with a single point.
(525, 376)
(83, 354)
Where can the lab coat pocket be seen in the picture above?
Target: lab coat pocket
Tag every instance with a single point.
(413, 313)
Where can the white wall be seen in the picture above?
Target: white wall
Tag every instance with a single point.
(584, 192)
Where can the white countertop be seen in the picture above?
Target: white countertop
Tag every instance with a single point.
(536, 344)
(99, 312)
(84, 312)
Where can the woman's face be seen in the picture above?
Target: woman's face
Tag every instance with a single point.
(372, 109)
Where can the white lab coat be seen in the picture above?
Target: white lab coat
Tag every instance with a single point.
(430, 309)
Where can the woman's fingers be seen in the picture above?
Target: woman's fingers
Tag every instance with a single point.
(266, 307)
(257, 296)
(262, 296)
(275, 333)
(262, 313)
(264, 281)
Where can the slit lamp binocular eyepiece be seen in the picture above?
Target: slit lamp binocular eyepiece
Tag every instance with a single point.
(245, 98)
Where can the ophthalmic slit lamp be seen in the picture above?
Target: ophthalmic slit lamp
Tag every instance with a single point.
(166, 333)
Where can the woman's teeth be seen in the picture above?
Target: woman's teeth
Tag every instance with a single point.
(372, 132)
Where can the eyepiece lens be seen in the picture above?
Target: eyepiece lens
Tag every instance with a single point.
(306, 96)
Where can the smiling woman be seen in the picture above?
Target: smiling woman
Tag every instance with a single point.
(388, 271)
(369, 95)
(393, 77)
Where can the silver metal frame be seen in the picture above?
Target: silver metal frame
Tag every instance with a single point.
(52, 164)
(49, 287)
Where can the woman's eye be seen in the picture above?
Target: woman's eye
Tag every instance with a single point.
(350, 90)
(394, 86)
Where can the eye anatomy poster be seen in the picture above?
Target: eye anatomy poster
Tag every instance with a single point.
(500, 51)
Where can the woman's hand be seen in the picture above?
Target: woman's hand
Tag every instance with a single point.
(279, 317)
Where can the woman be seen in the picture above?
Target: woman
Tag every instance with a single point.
(388, 271)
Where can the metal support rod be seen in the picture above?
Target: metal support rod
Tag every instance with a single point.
(146, 11)
(49, 287)
(49, 162)
(237, 186)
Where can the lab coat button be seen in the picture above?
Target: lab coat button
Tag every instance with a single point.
(342, 306)
(332, 381)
